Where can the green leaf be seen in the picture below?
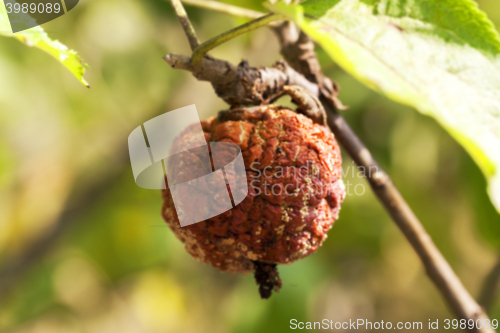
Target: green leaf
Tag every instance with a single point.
(440, 56)
(38, 38)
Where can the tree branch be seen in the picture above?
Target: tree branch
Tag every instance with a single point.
(186, 24)
(242, 85)
(490, 287)
(438, 269)
(298, 51)
(225, 8)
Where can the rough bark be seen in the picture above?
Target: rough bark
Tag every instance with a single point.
(242, 84)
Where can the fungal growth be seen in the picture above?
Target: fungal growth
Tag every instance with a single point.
(293, 171)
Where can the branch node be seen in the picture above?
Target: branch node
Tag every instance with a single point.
(267, 278)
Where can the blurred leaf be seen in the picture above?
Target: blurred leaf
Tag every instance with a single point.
(440, 56)
(38, 38)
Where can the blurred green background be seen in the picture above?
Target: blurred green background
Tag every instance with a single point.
(116, 267)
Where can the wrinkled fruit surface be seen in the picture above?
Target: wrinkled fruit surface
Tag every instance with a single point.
(293, 170)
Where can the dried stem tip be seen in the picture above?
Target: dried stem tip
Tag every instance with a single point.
(267, 278)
